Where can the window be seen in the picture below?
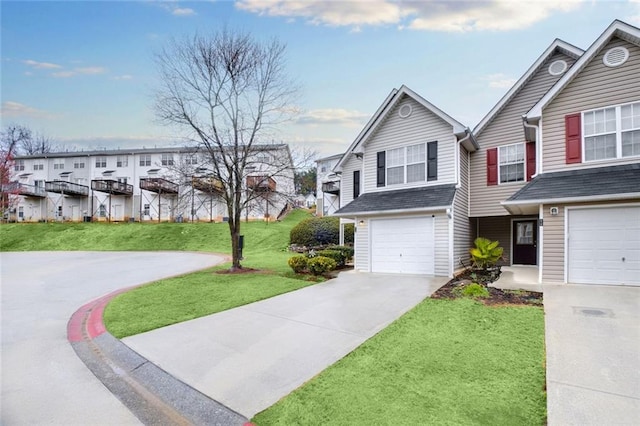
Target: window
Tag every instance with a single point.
(101, 162)
(59, 211)
(38, 166)
(356, 184)
(122, 180)
(525, 233)
(58, 165)
(411, 158)
(102, 210)
(511, 161)
(18, 165)
(122, 161)
(167, 159)
(145, 211)
(21, 212)
(191, 160)
(612, 132)
(78, 164)
(416, 163)
(395, 166)
(145, 160)
(38, 183)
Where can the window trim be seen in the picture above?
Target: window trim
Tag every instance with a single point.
(167, 159)
(524, 164)
(618, 133)
(145, 160)
(101, 162)
(405, 165)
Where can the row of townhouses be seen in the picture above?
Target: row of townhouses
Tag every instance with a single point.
(159, 184)
(552, 172)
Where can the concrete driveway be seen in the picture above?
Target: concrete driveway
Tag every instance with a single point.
(593, 354)
(249, 357)
(43, 381)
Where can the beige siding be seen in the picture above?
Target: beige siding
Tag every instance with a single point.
(361, 238)
(421, 126)
(462, 224)
(442, 257)
(506, 128)
(346, 181)
(596, 86)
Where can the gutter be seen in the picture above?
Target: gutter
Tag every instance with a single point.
(390, 212)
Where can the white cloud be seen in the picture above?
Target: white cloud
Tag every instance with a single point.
(635, 18)
(64, 74)
(439, 15)
(123, 77)
(183, 11)
(10, 109)
(41, 65)
(337, 116)
(500, 81)
(79, 71)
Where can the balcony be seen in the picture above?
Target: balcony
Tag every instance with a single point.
(25, 190)
(158, 185)
(210, 185)
(112, 187)
(261, 184)
(66, 188)
(331, 187)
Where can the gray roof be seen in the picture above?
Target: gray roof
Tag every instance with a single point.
(583, 183)
(423, 198)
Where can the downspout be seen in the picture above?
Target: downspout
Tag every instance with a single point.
(538, 145)
(467, 136)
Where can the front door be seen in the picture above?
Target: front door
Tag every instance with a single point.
(525, 242)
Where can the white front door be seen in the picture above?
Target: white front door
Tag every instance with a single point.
(404, 246)
(603, 246)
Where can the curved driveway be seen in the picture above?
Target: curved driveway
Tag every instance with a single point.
(43, 381)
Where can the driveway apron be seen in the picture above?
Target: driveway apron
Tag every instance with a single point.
(593, 354)
(43, 381)
(250, 357)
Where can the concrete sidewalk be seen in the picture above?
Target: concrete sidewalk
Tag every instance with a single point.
(593, 354)
(249, 357)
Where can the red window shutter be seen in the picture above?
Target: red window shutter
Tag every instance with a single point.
(492, 166)
(531, 159)
(573, 138)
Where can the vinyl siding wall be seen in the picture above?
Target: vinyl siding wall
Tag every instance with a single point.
(346, 181)
(496, 228)
(596, 86)
(420, 127)
(442, 258)
(361, 239)
(462, 225)
(505, 129)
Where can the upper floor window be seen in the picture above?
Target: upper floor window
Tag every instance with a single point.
(191, 159)
(78, 164)
(511, 163)
(612, 132)
(167, 159)
(58, 165)
(18, 166)
(145, 160)
(38, 166)
(101, 162)
(415, 163)
(122, 161)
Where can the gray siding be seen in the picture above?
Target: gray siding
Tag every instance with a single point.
(496, 228)
(442, 259)
(346, 180)
(395, 132)
(462, 225)
(596, 86)
(505, 129)
(361, 238)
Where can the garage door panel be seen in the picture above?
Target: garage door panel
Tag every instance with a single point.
(604, 246)
(403, 245)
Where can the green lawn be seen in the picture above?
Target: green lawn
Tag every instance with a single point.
(445, 362)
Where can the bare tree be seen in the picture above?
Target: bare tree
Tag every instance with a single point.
(37, 144)
(226, 92)
(10, 139)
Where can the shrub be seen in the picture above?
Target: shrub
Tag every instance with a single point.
(486, 253)
(320, 265)
(298, 263)
(348, 233)
(347, 252)
(473, 290)
(316, 231)
(336, 255)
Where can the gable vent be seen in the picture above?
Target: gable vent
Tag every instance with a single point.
(405, 111)
(615, 56)
(557, 67)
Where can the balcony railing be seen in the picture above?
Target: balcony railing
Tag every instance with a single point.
(261, 183)
(159, 185)
(66, 188)
(209, 185)
(24, 189)
(331, 187)
(112, 187)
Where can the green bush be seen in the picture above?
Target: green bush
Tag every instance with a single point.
(298, 263)
(486, 253)
(336, 255)
(348, 233)
(347, 252)
(473, 291)
(320, 265)
(316, 231)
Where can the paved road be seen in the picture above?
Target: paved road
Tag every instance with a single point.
(249, 357)
(43, 381)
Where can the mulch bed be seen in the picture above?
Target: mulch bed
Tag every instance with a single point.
(496, 296)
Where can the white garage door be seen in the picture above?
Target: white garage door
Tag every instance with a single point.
(404, 246)
(604, 246)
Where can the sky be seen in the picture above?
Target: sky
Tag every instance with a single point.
(83, 74)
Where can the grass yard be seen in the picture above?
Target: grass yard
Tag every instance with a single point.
(445, 362)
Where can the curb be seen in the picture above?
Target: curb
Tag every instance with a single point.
(150, 393)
